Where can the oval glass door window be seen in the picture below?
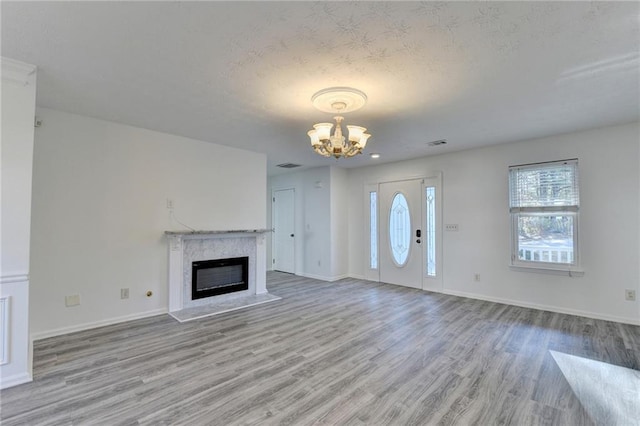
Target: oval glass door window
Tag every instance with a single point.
(399, 229)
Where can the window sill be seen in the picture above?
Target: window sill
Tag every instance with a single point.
(575, 273)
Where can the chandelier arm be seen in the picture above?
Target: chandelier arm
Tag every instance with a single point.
(327, 147)
(322, 150)
(352, 153)
(352, 150)
(323, 153)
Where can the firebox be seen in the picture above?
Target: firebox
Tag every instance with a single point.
(219, 276)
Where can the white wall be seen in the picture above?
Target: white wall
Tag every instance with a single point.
(320, 221)
(339, 205)
(18, 109)
(475, 196)
(312, 220)
(99, 214)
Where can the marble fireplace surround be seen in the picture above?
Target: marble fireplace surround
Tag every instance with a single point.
(186, 247)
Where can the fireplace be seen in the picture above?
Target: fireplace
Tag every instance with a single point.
(219, 276)
(187, 247)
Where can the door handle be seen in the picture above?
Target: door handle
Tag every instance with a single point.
(418, 241)
(418, 233)
(291, 235)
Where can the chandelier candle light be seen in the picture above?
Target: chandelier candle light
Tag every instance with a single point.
(338, 100)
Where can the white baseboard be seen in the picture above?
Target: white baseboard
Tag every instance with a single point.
(89, 325)
(15, 380)
(339, 277)
(323, 278)
(541, 307)
(358, 277)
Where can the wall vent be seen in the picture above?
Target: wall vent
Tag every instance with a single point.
(288, 165)
(438, 142)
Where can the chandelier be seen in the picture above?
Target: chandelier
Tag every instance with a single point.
(338, 100)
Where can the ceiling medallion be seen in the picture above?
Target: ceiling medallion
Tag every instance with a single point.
(338, 100)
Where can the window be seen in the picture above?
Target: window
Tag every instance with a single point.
(430, 240)
(373, 230)
(399, 229)
(544, 205)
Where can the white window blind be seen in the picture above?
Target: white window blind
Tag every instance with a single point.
(544, 187)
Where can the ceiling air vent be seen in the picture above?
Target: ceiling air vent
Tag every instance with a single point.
(438, 142)
(288, 165)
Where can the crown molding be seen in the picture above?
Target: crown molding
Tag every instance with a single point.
(16, 71)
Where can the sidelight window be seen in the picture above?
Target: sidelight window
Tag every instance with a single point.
(430, 240)
(373, 230)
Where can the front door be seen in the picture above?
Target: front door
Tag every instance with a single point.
(401, 233)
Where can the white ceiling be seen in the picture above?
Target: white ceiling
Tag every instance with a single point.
(243, 73)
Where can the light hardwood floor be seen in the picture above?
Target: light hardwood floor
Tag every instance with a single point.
(349, 352)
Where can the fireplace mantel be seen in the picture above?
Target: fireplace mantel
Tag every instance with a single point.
(188, 246)
(204, 232)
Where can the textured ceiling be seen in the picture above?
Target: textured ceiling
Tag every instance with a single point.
(243, 73)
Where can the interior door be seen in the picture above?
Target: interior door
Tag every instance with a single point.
(401, 233)
(283, 209)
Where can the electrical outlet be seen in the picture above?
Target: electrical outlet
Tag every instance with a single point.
(476, 277)
(451, 227)
(169, 203)
(124, 293)
(72, 300)
(629, 294)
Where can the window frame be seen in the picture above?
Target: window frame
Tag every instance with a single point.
(565, 210)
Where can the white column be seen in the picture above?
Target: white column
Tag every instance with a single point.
(175, 272)
(18, 114)
(261, 264)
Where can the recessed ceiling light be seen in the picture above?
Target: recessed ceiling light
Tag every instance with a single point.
(374, 155)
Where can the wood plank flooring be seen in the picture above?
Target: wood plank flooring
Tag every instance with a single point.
(350, 352)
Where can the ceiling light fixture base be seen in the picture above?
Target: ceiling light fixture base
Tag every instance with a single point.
(339, 99)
